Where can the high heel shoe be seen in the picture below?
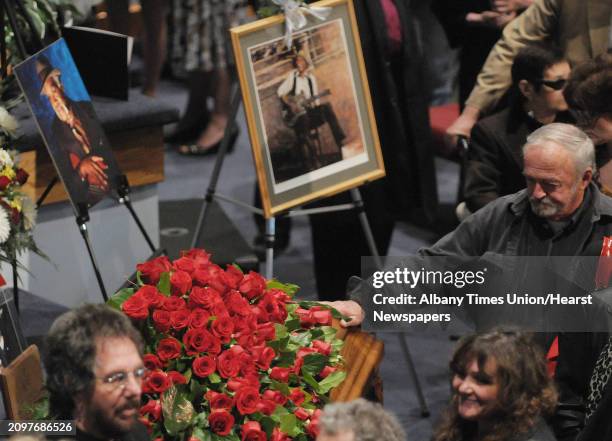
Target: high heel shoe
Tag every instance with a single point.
(198, 150)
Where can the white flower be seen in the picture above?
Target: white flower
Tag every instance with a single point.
(5, 226)
(5, 159)
(8, 123)
(29, 213)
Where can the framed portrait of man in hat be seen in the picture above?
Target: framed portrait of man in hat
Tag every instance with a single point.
(68, 124)
(307, 106)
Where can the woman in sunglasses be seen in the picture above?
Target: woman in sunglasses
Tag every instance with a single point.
(493, 164)
(501, 391)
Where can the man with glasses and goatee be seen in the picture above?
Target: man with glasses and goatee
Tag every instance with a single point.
(93, 359)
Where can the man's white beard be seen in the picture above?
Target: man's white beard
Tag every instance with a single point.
(544, 207)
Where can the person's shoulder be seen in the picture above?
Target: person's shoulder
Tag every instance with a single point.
(541, 432)
(505, 207)
(602, 202)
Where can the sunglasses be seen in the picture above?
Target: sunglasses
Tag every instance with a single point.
(556, 85)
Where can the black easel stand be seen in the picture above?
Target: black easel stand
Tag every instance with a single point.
(82, 217)
(123, 190)
(357, 206)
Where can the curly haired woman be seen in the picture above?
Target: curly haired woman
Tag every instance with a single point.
(501, 391)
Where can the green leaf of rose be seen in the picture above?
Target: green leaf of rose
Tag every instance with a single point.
(163, 285)
(288, 288)
(139, 278)
(292, 325)
(119, 297)
(289, 425)
(280, 331)
(202, 435)
(314, 363)
(178, 411)
(332, 380)
(282, 387)
(309, 380)
(214, 378)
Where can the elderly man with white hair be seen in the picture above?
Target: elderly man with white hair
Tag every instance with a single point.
(560, 213)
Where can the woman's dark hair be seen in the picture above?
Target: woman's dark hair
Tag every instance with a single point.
(589, 90)
(526, 392)
(70, 351)
(529, 64)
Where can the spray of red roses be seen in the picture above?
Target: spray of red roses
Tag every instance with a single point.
(230, 356)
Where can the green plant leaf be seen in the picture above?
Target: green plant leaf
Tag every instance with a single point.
(282, 387)
(314, 363)
(235, 265)
(292, 325)
(309, 380)
(202, 435)
(289, 425)
(331, 381)
(163, 285)
(214, 378)
(139, 278)
(280, 331)
(119, 297)
(288, 288)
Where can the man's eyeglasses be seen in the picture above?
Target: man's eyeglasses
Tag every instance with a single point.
(119, 379)
(556, 84)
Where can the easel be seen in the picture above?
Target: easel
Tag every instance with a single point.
(82, 217)
(356, 205)
(81, 211)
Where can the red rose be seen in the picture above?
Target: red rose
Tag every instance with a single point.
(173, 303)
(232, 277)
(275, 396)
(198, 318)
(153, 408)
(177, 377)
(153, 269)
(263, 356)
(307, 320)
(4, 182)
(219, 401)
(236, 304)
(221, 422)
(322, 347)
(180, 283)
(200, 340)
(277, 435)
(272, 309)
(153, 296)
(266, 407)
(237, 383)
(297, 396)
(297, 365)
(321, 315)
(247, 365)
(156, 382)
(245, 324)
(204, 297)
(136, 307)
(246, 400)
(266, 331)
(204, 366)
(252, 285)
(302, 414)
(161, 320)
(179, 319)
(313, 429)
(303, 352)
(223, 327)
(280, 374)
(21, 176)
(251, 431)
(209, 275)
(184, 264)
(199, 257)
(228, 364)
(151, 362)
(168, 349)
(326, 371)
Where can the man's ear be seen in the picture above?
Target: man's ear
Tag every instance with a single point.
(587, 177)
(526, 89)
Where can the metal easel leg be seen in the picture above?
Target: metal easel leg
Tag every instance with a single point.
(270, 235)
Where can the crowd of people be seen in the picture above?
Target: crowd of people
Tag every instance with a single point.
(537, 182)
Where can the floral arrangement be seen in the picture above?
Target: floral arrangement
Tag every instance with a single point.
(230, 356)
(17, 211)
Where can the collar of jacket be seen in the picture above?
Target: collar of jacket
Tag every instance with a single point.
(602, 204)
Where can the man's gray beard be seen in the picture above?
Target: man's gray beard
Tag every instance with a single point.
(544, 208)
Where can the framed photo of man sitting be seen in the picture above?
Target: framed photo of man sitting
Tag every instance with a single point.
(308, 107)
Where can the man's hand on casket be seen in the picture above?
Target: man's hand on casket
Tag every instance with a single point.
(350, 309)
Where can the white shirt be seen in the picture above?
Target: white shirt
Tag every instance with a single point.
(302, 85)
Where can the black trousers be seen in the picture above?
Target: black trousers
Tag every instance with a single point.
(317, 116)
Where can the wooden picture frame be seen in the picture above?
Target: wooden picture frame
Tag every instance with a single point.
(308, 107)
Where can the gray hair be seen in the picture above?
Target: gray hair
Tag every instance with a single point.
(571, 138)
(367, 420)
